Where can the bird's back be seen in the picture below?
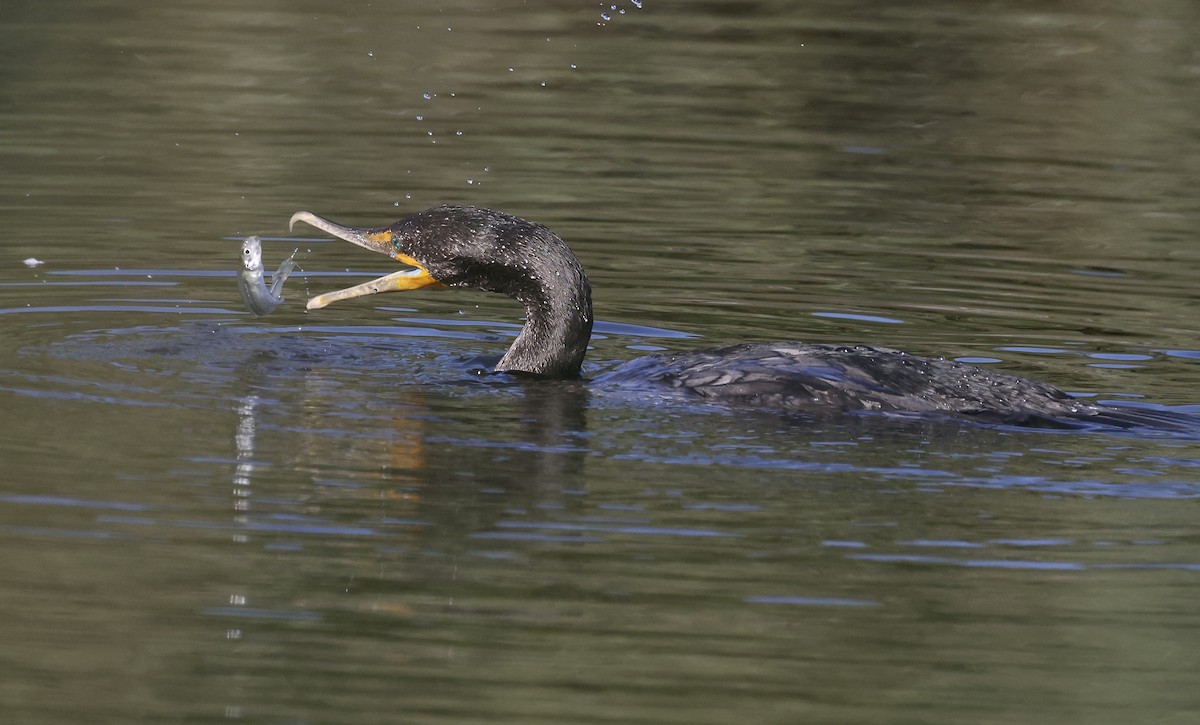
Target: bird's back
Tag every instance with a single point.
(798, 377)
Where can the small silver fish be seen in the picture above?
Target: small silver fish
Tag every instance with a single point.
(260, 299)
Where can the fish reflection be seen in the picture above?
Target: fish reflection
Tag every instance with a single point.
(243, 440)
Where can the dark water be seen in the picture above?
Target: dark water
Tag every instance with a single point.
(331, 517)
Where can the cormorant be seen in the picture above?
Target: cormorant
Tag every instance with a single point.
(462, 246)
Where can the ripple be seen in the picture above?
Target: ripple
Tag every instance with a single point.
(91, 283)
(534, 536)
(647, 530)
(859, 318)
(811, 601)
(255, 613)
(982, 563)
(630, 330)
(149, 309)
(78, 502)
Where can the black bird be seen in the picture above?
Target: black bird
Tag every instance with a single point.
(457, 246)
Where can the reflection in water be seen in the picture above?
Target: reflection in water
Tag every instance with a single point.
(505, 443)
(991, 182)
(552, 431)
(242, 488)
(412, 521)
(244, 444)
(511, 444)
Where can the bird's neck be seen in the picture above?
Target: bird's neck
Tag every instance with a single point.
(558, 326)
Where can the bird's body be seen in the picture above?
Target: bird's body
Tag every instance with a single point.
(485, 249)
(814, 379)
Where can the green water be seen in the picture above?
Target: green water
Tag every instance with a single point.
(330, 517)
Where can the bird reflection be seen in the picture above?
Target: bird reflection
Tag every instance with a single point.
(459, 457)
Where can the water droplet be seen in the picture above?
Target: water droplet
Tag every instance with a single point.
(605, 16)
(370, 54)
(486, 169)
(407, 195)
(427, 95)
(470, 181)
(510, 70)
(420, 118)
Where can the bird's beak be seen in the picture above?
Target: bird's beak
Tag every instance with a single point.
(379, 240)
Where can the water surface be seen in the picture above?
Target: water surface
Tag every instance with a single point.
(334, 517)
